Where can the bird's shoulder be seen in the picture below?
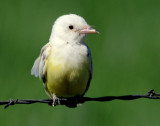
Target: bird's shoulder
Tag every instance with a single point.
(45, 49)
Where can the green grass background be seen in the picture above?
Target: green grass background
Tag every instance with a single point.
(126, 57)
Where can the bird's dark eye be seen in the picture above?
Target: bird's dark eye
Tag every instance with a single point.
(71, 27)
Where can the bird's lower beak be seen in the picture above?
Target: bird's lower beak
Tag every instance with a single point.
(88, 31)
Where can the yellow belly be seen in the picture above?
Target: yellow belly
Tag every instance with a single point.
(66, 80)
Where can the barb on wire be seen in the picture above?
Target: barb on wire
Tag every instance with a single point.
(72, 102)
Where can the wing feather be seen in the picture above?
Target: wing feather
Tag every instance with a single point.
(35, 68)
(39, 67)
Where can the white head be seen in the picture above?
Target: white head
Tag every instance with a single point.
(71, 28)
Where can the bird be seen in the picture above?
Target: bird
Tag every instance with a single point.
(65, 64)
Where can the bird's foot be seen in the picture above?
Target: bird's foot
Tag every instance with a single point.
(56, 100)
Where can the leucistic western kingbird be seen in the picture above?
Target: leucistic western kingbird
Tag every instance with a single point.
(65, 63)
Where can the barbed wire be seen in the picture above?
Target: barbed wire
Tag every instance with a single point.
(72, 102)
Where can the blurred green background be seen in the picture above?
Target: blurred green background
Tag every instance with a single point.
(126, 57)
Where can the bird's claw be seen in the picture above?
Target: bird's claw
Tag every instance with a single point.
(56, 100)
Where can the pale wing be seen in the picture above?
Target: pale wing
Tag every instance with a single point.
(35, 68)
(39, 67)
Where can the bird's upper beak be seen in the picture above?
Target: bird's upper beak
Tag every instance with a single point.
(88, 30)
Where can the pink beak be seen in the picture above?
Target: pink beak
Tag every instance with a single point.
(88, 31)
